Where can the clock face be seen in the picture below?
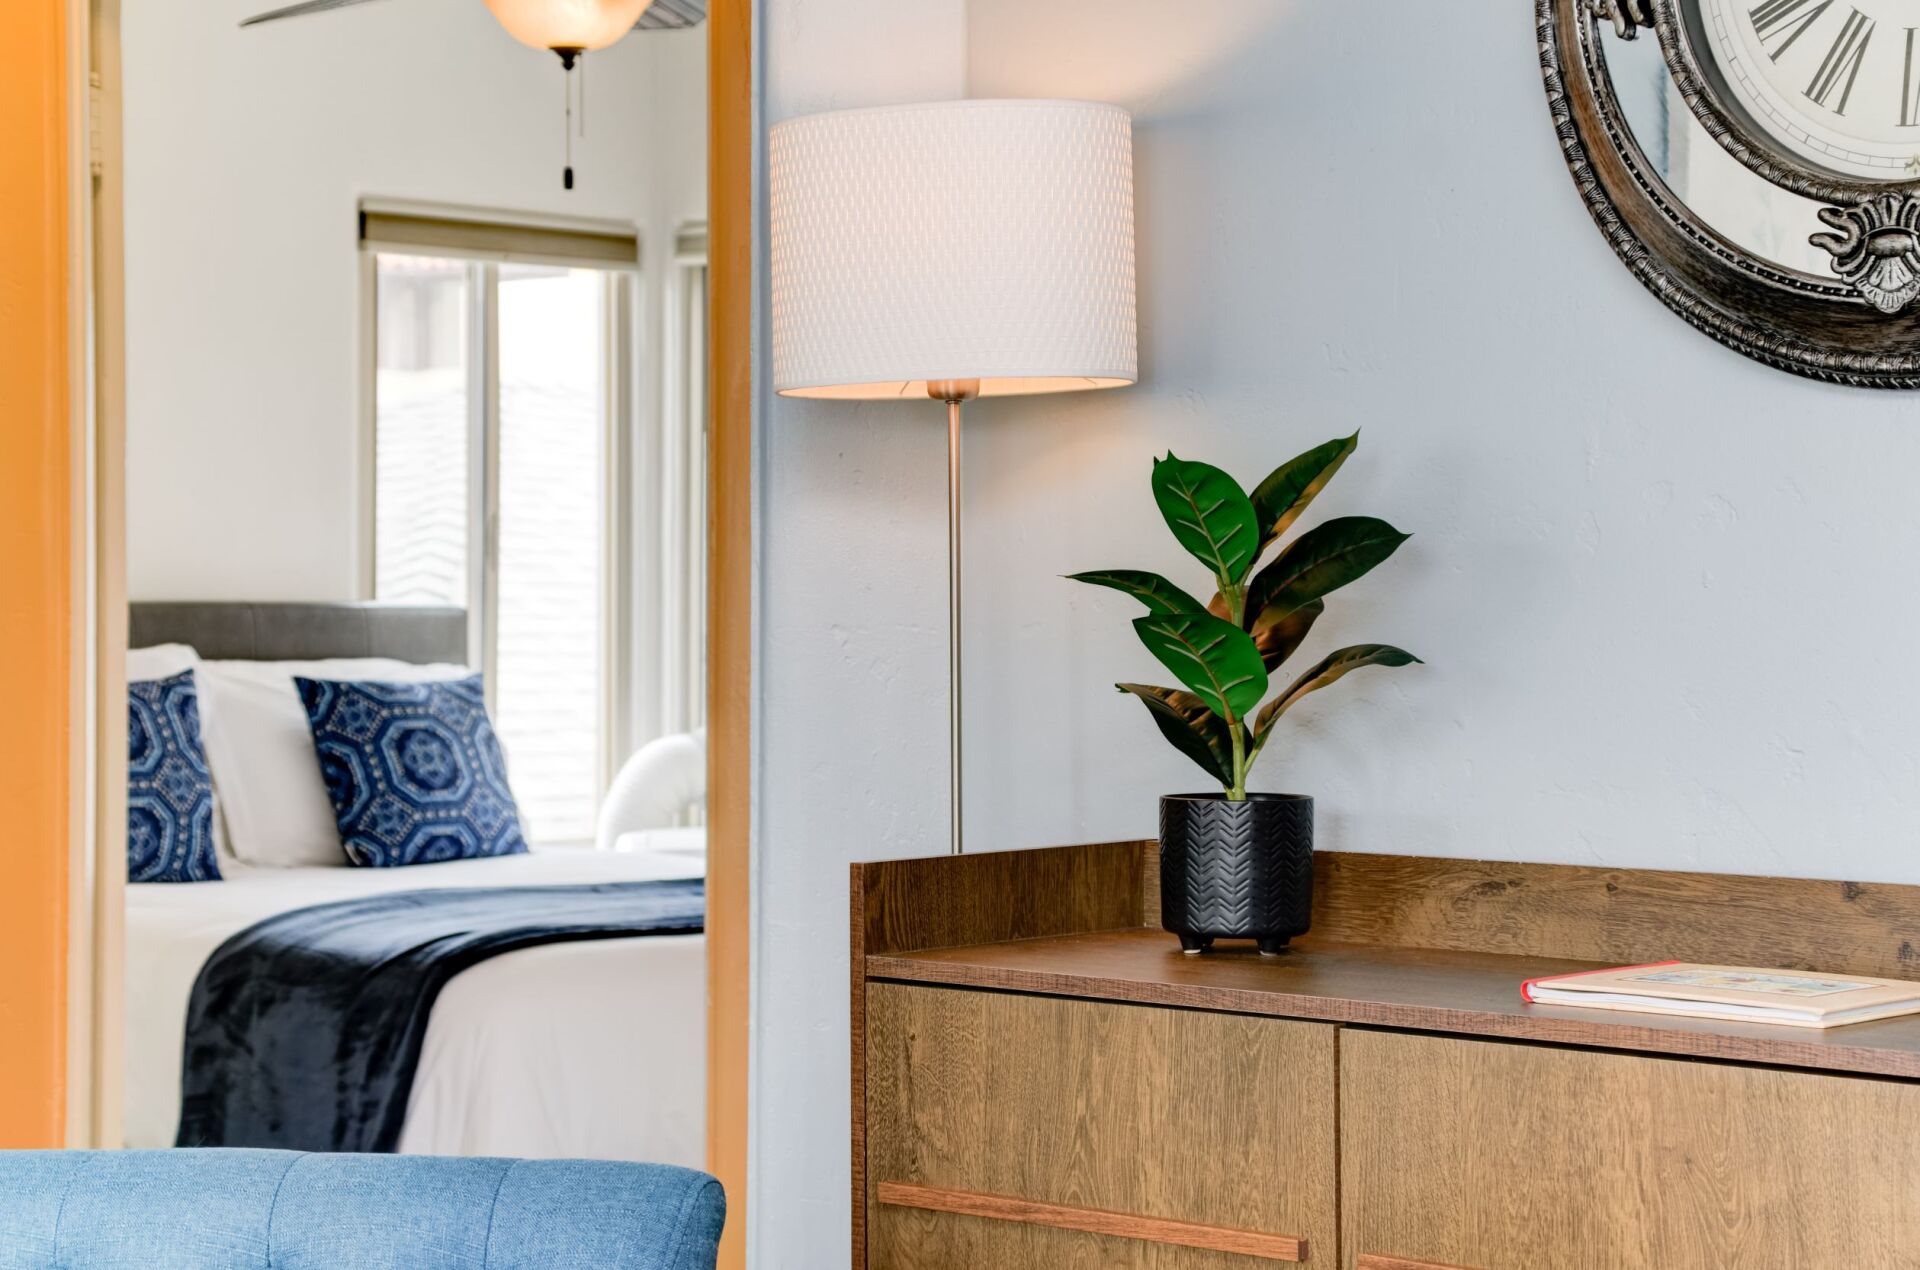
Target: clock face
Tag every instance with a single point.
(1834, 82)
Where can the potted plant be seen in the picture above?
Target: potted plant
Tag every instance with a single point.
(1234, 864)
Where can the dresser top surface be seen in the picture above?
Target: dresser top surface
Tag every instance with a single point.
(1463, 993)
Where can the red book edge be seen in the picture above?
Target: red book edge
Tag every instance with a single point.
(1526, 988)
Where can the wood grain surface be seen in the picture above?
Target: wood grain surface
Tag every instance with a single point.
(1507, 1157)
(104, 1121)
(1475, 994)
(901, 905)
(1426, 945)
(1211, 1119)
(731, 133)
(1618, 916)
(1549, 910)
(1095, 1221)
(972, 899)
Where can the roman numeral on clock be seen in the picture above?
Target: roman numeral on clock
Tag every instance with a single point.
(1841, 66)
(1909, 87)
(1784, 18)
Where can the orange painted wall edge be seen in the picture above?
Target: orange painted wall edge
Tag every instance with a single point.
(36, 544)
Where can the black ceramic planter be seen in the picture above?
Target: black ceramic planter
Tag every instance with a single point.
(1236, 870)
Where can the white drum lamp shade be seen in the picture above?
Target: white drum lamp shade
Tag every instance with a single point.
(952, 250)
(952, 241)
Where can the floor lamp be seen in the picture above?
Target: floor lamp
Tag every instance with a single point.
(948, 251)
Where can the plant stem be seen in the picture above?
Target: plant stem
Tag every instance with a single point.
(1236, 596)
(1238, 794)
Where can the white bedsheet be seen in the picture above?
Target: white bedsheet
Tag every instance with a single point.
(594, 1050)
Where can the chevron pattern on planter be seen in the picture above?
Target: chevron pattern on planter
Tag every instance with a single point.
(1236, 870)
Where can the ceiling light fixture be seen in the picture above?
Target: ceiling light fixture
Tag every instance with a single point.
(567, 28)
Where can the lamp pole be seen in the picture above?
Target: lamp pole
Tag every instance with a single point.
(953, 392)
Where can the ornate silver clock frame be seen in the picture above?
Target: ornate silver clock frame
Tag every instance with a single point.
(1858, 324)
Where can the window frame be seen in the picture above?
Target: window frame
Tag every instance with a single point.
(681, 488)
(620, 356)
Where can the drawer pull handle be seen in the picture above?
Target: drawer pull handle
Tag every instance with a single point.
(1379, 1261)
(1153, 1230)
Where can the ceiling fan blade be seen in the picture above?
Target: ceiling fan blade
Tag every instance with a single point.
(300, 10)
(672, 15)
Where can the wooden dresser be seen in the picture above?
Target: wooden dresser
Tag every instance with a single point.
(1041, 1080)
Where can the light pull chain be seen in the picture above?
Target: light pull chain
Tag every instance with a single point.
(571, 57)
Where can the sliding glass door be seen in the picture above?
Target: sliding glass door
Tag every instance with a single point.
(497, 391)
(551, 543)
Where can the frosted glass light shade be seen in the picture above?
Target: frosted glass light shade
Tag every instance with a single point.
(568, 24)
(988, 240)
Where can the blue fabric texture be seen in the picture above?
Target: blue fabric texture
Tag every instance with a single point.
(251, 1210)
(169, 789)
(414, 771)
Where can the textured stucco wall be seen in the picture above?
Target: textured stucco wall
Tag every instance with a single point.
(1664, 592)
(852, 638)
(1662, 589)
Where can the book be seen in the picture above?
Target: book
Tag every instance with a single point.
(1738, 994)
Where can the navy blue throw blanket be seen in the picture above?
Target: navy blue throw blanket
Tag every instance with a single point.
(304, 1030)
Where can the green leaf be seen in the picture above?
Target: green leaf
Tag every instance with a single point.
(1216, 660)
(1283, 496)
(1152, 590)
(1210, 514)
(1322, 560)
(1280, 635)
(1334, 666)
(1194, 730)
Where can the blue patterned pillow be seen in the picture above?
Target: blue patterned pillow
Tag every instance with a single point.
(169, 790)
(414, 771)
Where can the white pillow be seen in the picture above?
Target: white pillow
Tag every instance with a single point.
(265, 772)
(162, 661)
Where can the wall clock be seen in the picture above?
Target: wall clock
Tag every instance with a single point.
(1756, 163)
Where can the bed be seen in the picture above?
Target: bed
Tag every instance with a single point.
(588, 1050)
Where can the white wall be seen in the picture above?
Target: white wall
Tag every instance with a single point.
(1664, 592)
(247, 154)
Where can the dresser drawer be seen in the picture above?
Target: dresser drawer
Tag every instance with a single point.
(1510, 1157)
(1014, 1131)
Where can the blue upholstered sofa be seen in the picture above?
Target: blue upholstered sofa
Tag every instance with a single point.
(228, 1210)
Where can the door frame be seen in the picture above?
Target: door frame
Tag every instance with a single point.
(98, 1058)
(730, 150)
(94, 921)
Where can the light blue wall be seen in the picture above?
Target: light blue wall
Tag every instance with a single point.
(1663, 590)
(850, 703)
(1666, 594)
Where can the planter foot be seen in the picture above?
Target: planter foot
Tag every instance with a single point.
(1274, 947)
(1194, 945)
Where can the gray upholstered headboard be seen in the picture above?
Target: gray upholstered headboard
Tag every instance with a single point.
(224, 631)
